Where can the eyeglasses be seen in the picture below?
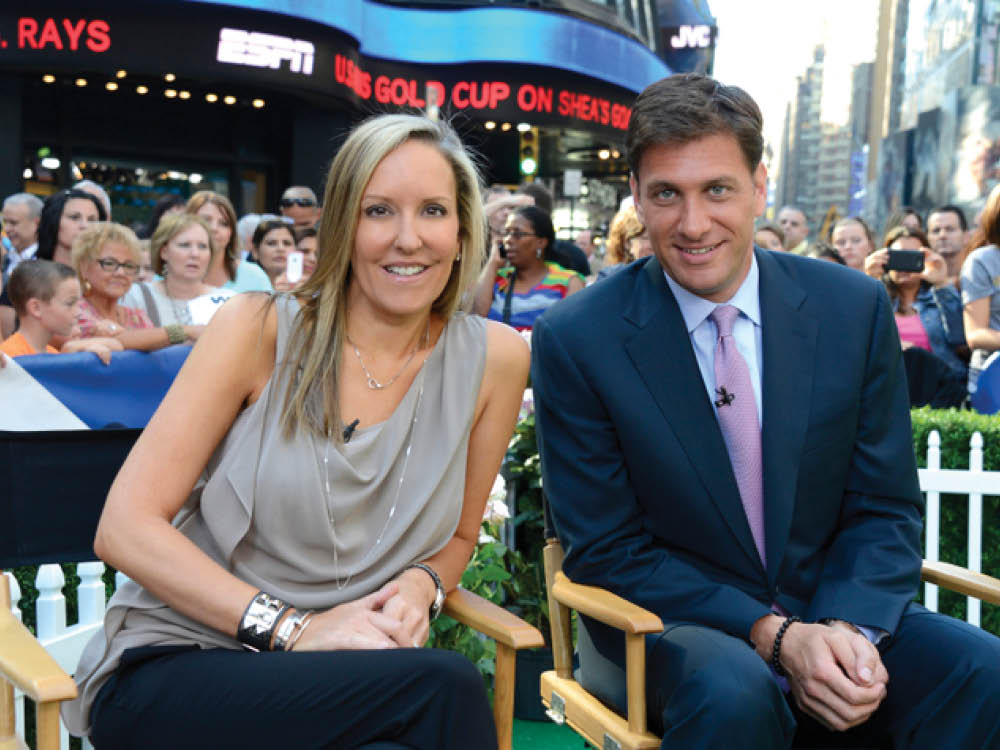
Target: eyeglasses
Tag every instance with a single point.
(300, 202)
(111, 266)
(516, 234)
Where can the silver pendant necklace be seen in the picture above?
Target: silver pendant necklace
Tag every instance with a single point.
(374, 384)
(341, 585)
(179, 312)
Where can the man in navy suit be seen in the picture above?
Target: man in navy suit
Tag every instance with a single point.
(782, 555)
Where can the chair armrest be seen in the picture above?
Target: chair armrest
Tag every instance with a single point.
(604, 606)
(962, 580)
(28, 666)
(496, 622)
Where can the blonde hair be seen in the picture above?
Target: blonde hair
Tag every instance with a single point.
(624, 227)
(221, 202)
(311, 399)
(168, 228)
(89, 242)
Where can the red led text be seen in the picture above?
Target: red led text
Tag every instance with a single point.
(63, 33)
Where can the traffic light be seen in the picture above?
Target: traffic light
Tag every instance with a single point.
(528, 151)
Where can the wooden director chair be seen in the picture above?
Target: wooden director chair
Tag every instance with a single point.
(53, 486)
(567, 701)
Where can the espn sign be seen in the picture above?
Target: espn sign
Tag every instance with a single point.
(691, 37)
(261, 50)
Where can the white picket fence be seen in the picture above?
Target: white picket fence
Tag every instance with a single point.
(973, 482)
(66, 643)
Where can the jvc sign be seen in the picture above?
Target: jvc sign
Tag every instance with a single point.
(265, 50)
(691, 36)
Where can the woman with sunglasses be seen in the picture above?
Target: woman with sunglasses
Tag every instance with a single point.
(106, 257)
(518, 293)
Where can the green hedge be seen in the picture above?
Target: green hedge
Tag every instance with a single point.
(956, 429)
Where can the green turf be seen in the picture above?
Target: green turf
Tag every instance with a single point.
(544, 735)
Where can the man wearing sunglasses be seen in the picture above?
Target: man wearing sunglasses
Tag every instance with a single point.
(299, 204)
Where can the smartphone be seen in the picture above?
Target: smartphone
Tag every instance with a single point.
(501, 249)
(293, 270)
(905, 260)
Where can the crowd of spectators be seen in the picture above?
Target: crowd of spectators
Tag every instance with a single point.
(150, 292)
(942, 277)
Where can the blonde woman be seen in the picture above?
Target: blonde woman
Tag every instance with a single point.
(106, 257)
(628, 240)
(325, 458)
(181, 250)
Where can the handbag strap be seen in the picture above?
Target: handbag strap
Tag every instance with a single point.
(147, 297)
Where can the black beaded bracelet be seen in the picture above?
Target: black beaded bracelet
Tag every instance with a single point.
(776, 649)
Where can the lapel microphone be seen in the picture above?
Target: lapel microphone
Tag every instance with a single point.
(349, 430)
(725, 397)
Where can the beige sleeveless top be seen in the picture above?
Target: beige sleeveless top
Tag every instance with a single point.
(268, 519)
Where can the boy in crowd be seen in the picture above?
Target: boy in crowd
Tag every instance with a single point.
(46, 297)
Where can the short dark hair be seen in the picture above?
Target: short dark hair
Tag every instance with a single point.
(688, 106)
(823, 249)
(764, 225)
(301, 234)
(541, 194)
(541, 225)
(792, 207)
(950, 208)
(35, 279)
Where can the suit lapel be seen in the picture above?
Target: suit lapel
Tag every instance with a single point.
(661, 351)
(789, 348)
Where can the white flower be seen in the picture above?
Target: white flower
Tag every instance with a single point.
(496, 506)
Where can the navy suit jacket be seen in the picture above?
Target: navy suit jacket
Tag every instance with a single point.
(639, 482)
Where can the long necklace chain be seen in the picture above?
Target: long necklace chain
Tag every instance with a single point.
(374, 384)
(341, 585)
(178, 312)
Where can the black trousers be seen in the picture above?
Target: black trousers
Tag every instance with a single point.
(707, 689)
(164, 697)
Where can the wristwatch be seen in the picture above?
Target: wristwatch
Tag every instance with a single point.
(439, 597)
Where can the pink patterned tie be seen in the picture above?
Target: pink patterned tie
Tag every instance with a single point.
(737, 410)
